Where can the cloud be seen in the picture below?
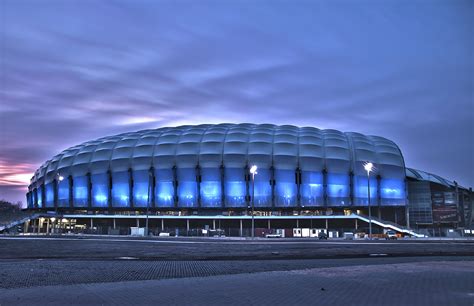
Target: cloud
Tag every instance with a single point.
(72, 72)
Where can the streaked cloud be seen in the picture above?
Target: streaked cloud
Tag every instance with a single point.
(74, 71)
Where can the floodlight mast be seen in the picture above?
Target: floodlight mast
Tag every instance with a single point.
(368, 166)
(253, 171)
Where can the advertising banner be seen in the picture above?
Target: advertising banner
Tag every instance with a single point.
(444, 206)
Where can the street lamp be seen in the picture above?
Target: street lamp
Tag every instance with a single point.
(368, 166)
(253, 171)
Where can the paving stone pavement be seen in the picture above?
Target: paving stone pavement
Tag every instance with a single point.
(412, 283)
(33, 273)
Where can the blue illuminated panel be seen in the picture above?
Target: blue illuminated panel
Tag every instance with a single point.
(211, 188)
(235, 187)
(28, 200)
(100, 190)
(63, 193)
(40, 196)
(141, 180)
(49, 192)
(285, 188)
(360, 190)
(34, 198)
(263, 189)
(121, 189)
(392, 192)
(164, 190)
(338, 189)
(311, 189)
(187, 187)
(80, 191)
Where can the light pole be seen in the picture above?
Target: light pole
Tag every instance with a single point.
(60, 178)
(253, 171)
(368, 167)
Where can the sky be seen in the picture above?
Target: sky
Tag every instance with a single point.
(73, 71)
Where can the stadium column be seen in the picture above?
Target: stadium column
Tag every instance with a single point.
(89, 190)
(71, 185)
(109, 190)
(356, 224)
(55, 194)
(198, 181)
(213, 224)
(43, 195)
(162, 225)
(130, 187)
(379, 198)
(222, 186)
(248, 199)
(268, 223)
(272, 183)
(152, 187)
(351, 187)
(298, 187)
(187, 226)
(35, 197)
(325, 188)
(407, 205)
(175, 186)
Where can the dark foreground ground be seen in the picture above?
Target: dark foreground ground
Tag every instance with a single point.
(133, 272)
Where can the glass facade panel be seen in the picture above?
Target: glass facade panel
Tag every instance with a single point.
(49, 192)
(63, 193)
(392, 192)
(263, 189)
(164, 190)
(360, 191)
(211, 187)
(338, 189)
(80, 191)
(187, 187)
(285, 188)
(121, 189)
(40, 196)
(235, 187)
(34, 198)
(28, 200)
(311, 189)
(100, 190)
(141, 180)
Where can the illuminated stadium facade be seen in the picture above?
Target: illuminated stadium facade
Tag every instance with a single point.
(203, 171)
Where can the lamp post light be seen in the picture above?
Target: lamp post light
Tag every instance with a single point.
(253, 171)
(369, 167)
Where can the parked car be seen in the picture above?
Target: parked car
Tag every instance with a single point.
(391, 235)
(322, 236)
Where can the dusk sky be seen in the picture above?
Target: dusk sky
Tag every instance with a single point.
(72, 71)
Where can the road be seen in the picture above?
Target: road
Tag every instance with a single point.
(219, 249)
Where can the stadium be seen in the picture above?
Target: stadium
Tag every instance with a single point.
(195, 180)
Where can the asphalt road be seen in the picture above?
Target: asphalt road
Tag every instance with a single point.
(89, 248)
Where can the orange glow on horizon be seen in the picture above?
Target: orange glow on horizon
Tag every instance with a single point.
(15, 174)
